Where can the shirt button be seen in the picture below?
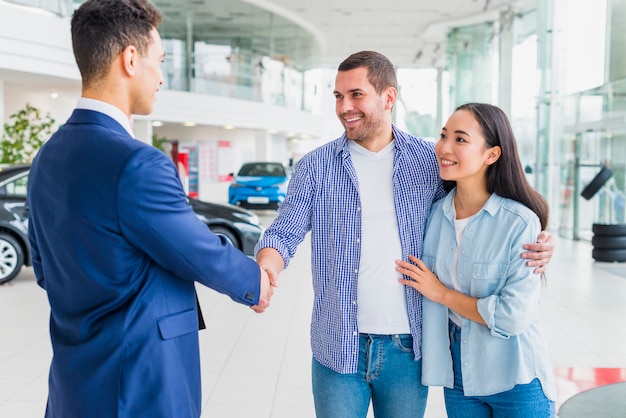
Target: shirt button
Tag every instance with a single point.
(465, 363)
(356, 271)
(465, 341)
(358, 240)
(354, 302)
(355, 333)
(358, 209)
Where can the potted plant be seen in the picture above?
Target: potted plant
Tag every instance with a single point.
(24, 134)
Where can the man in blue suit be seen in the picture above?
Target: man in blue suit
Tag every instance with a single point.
(114, 242)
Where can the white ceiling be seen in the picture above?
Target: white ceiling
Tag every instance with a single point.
(412, 33)
(409, 32)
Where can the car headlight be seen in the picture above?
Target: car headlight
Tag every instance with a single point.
(248, 217)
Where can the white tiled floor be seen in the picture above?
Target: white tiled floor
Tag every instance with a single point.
(259, 365)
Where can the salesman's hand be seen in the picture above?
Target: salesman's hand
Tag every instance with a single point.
(267, 290)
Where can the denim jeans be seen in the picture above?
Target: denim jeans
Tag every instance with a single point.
(387, 375)
(523, 401)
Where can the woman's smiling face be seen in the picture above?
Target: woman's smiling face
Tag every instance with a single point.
(462, 151)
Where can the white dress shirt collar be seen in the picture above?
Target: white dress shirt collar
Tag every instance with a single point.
(107, 109)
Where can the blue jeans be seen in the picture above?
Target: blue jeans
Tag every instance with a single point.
(523, 401)
(387, 375)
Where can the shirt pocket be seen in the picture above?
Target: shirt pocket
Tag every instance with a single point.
(487, 278)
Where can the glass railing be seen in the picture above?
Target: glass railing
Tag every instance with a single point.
(242, 71)
(593, 126)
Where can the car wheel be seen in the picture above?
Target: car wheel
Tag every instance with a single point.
(11, 258)
(226, 233)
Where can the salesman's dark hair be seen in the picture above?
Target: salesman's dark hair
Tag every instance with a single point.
(102, 29)
(380, 71)
(506, 176)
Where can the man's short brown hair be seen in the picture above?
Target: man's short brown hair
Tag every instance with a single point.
(380, 71)
(102, 29)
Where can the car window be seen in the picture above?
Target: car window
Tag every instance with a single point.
(16, 187)
(263, 170)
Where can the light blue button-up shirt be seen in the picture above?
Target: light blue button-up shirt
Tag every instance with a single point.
(511, 349)
(323, 197)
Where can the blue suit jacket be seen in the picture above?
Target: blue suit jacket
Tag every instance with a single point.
(117, 248)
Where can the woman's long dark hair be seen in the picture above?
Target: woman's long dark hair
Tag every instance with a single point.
(506, 176)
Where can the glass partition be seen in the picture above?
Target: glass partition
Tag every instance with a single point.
(235, 49)
(593, 137)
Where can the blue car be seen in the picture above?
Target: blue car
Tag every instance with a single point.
(259, 185)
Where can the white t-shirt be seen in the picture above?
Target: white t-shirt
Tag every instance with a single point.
(382, 301)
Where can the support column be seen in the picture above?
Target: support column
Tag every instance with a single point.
(506, 61)
(440, 110)
(263, 145)
(616, 11)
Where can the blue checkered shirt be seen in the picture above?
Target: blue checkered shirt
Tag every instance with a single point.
(323, 197)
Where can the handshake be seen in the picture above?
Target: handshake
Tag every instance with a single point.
(271, 264)
(269, 281)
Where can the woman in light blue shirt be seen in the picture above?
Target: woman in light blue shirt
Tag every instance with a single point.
(482, 339)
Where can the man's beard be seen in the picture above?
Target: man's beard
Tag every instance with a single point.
(368, 129)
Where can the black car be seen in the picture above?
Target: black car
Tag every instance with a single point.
(239, 226)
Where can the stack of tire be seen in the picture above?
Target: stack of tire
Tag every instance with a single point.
(609, 242)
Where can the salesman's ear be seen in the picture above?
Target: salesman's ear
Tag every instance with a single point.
(129, 57)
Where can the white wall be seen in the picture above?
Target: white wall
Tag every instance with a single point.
(37, 42)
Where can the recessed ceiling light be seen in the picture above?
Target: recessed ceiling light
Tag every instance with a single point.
(229, 127)
(189, 123)
(157, 123)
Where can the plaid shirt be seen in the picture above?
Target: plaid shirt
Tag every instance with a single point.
(323, 197)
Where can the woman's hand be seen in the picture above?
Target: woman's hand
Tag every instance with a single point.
(421, 279)
(425, 281)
